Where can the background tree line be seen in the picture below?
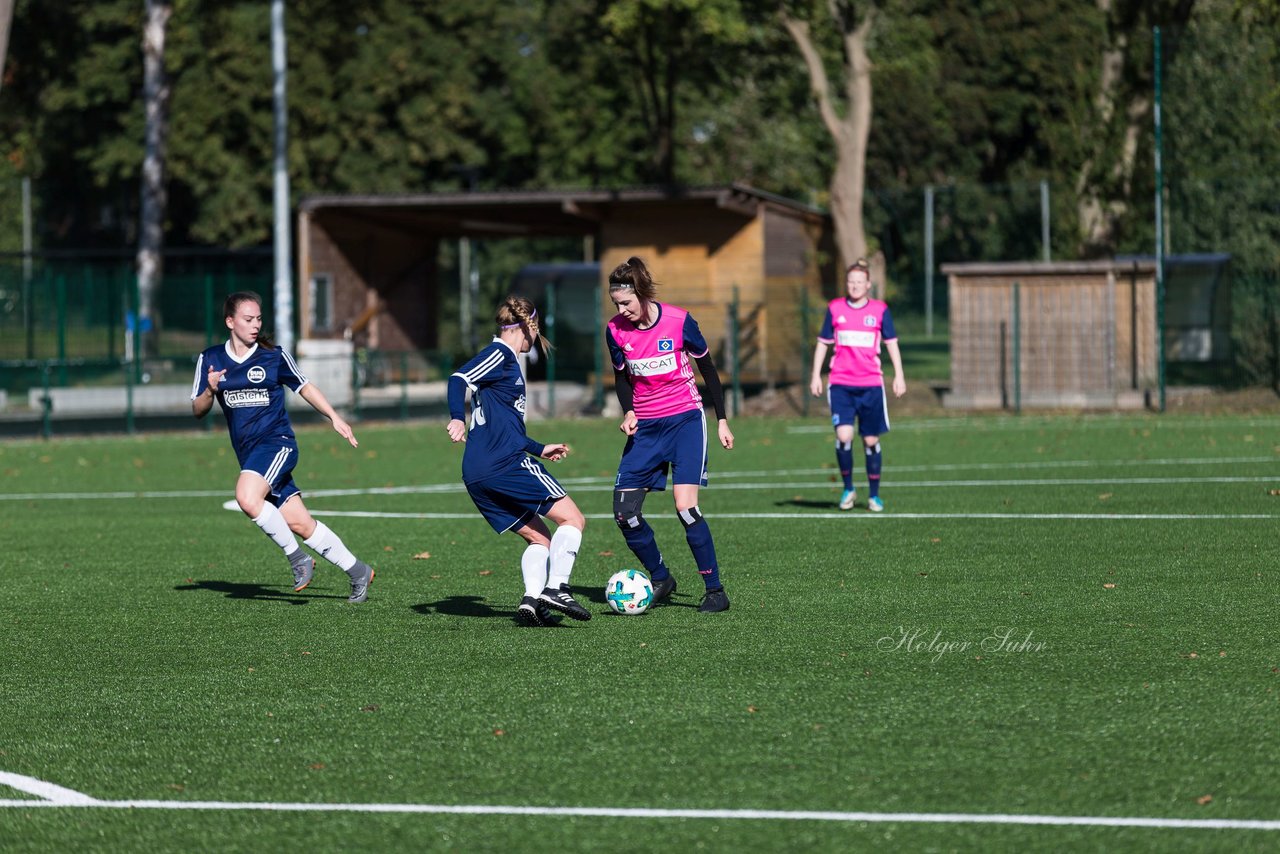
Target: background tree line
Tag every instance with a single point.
(982, 99)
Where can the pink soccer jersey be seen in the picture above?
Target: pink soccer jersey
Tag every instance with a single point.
(856, 333)
(658, 360)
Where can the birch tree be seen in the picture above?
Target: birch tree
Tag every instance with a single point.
(156, 94)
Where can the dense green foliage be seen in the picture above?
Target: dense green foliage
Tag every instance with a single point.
(981, 100)
(154, 649)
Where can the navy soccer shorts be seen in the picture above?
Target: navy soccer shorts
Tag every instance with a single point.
(676, 442)
(510, 499)
(865, 404)
(273, 460)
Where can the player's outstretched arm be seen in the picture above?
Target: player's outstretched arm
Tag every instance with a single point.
(320, 403)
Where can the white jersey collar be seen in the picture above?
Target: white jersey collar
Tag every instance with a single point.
(239, 360)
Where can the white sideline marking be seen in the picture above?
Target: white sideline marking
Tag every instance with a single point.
(53, 795)
(1034, 422)
(57, 796)
(456, 486)
(739, 815)
(475, 517)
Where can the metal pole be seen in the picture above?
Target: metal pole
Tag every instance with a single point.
(1017, 347)
(804, 339)
(28, 315)
(465, 311)
(597, 359)
(283, 282)
(733, 352)
(1044, 219)
(26, 231)
(928, 261)
(551, 351)
(404, 385)
(60, 285)
(1159, 226)
(208, 309)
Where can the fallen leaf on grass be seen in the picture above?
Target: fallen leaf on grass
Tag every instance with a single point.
(422, 556)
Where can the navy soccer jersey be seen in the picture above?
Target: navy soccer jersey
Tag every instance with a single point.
(251, 394)
(496, 440)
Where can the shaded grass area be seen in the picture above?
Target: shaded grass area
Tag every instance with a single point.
(1064, 666)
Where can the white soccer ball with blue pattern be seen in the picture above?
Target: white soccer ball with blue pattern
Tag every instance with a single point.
(629, 592)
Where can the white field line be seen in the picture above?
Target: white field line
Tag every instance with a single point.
(1056, 423)
(57, 796)
(454, 487)
(865, 517)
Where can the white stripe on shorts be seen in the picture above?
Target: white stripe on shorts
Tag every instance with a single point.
(554, 489)
(273, 470)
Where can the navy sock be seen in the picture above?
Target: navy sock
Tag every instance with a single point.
(698, 534)
(844, 459)
(873, 469)
(645, 547)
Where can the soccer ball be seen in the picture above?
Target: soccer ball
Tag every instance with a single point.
(629, 592)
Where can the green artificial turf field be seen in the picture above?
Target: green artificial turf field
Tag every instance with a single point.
(1056, 616)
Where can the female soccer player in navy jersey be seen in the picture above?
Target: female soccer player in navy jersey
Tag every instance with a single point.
(510, 488)
(857, 325)
(247, 376)
(651, 345)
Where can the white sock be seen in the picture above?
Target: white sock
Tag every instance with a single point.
(327, 544)
(275, 527)
(533, 565)
(564, 551)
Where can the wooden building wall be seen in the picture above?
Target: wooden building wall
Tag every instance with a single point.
(698, 255)
(384, 275)
(1086, 335)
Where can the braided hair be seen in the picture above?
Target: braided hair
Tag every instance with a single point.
(520, 311)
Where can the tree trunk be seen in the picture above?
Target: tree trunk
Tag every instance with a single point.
(6, 17)
(156, 92)
(850, 133)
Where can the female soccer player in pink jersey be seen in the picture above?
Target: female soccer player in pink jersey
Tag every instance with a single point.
(856, 325)
(651, 345)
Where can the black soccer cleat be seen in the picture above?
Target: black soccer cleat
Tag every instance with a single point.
(663, 589)
(561, 601)
(715, 600)
(533, 614)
